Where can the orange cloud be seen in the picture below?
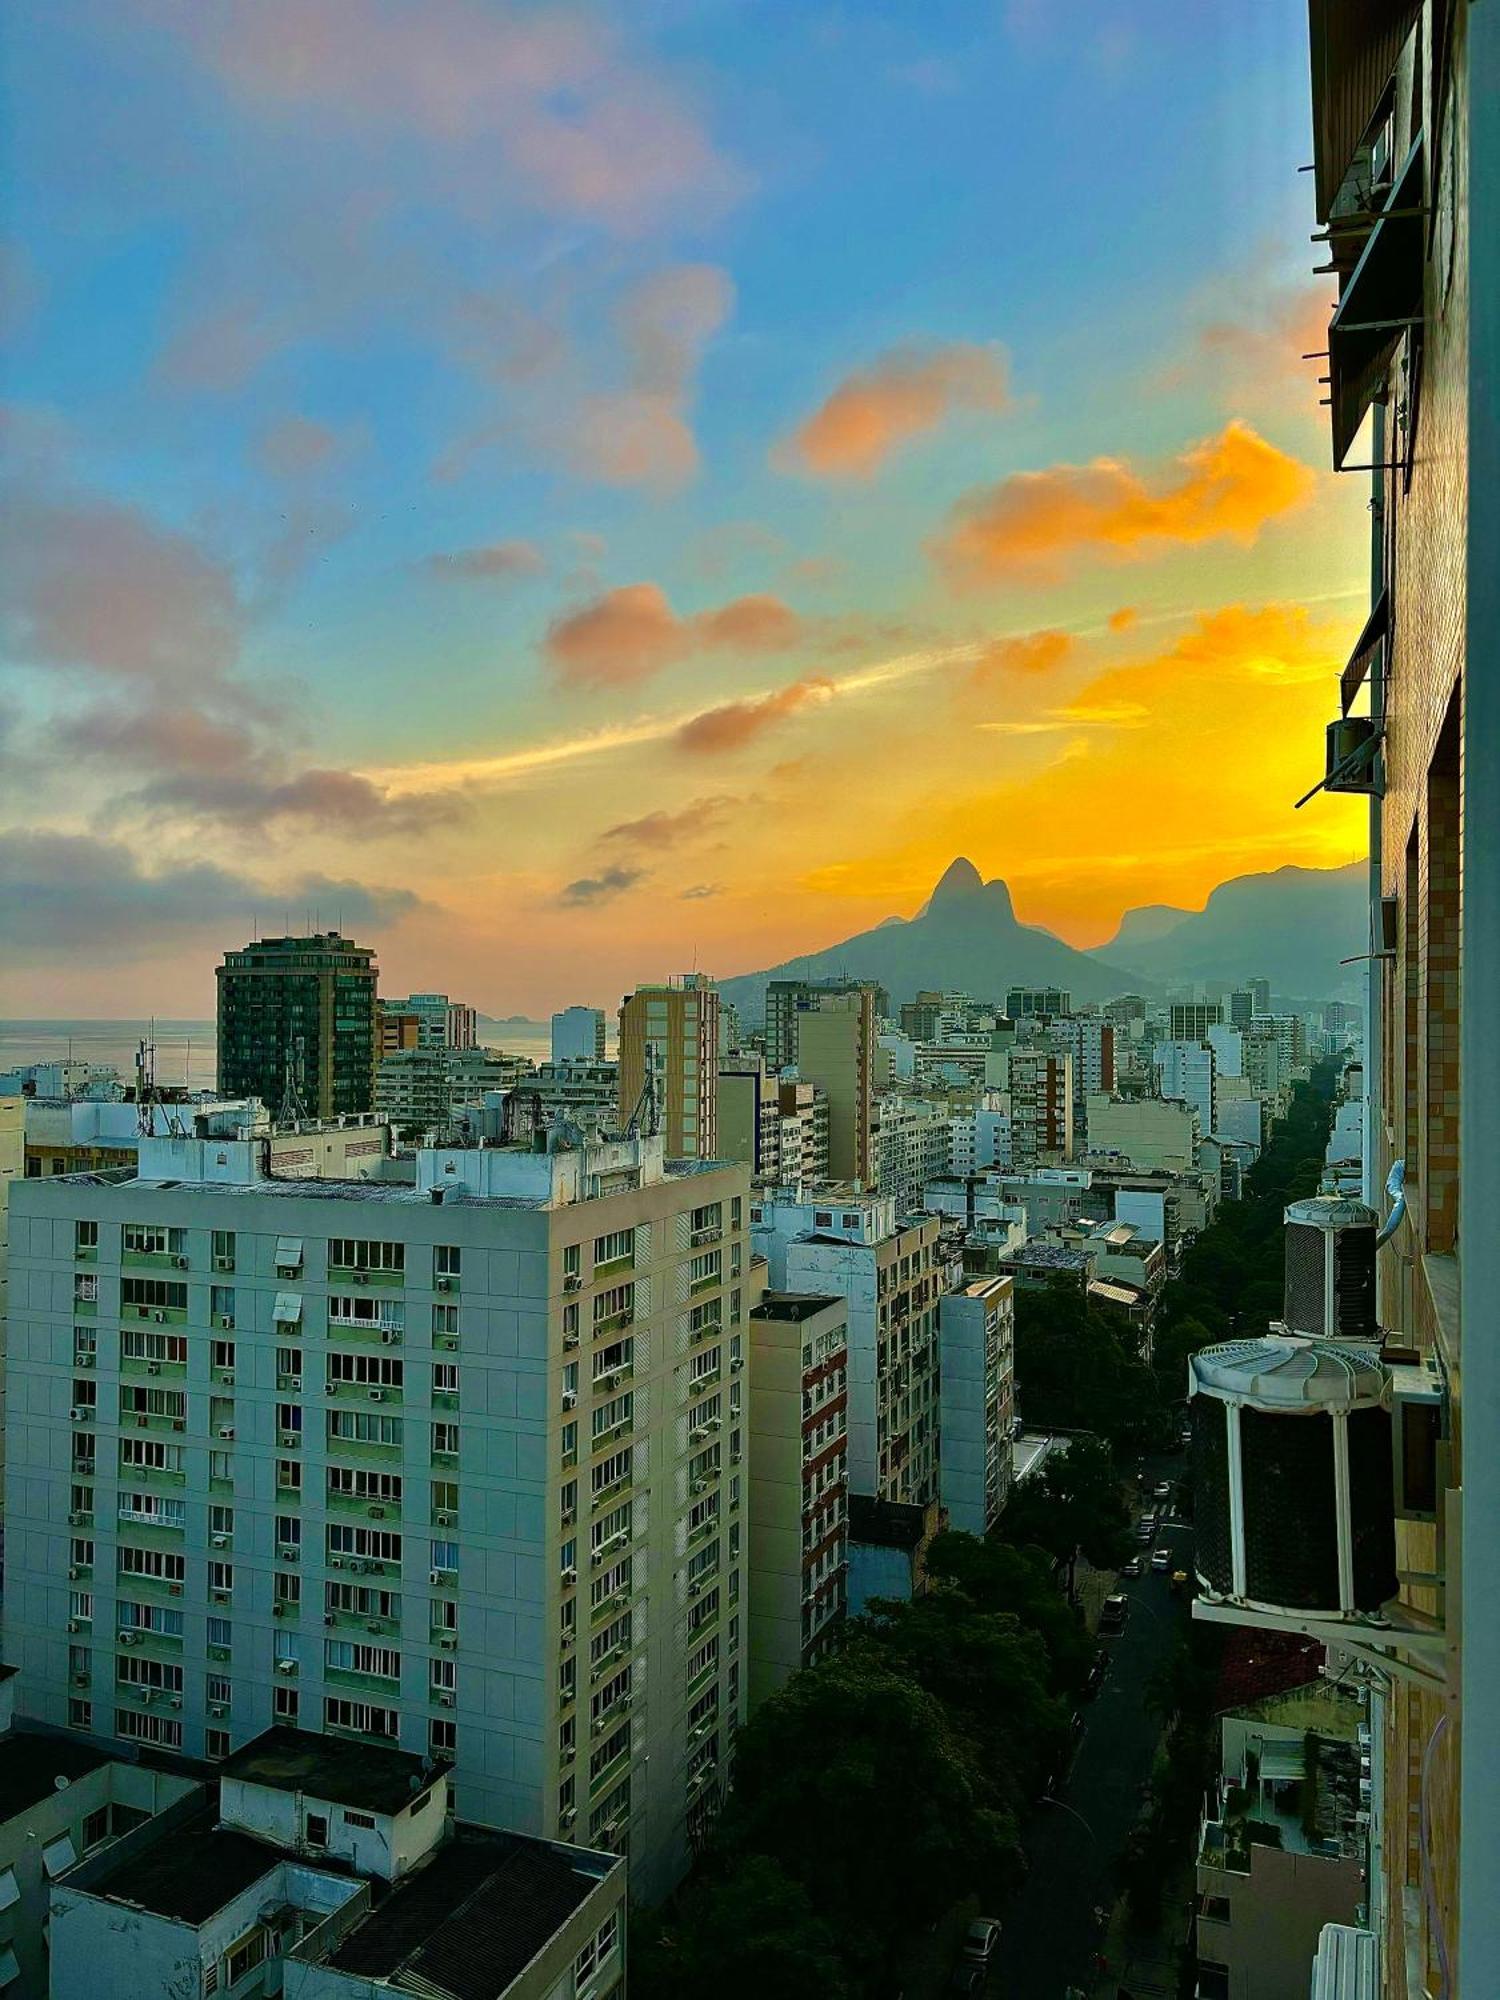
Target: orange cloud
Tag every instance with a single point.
(1034, 524)
(739, 722)
(1030, 653)
(665, 829)
(898, 397)
(632, 633)
(1123, 619)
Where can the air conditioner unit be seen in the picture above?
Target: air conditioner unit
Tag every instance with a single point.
(569, 1516)
(613, 1379)
(694, 1589)
(221, 1541)
(333, 1388)
(443, 1285)
(220, 1596)
(441, 1576)
(570, 1340)
(357, 1565)
(1287, 1416)
(174, 1590)
(286, 1666)
(181, 1263)
(698, 1486)
(714, 1424)
(567, 1816)
(160, 1318)
(83, 1360)
(223, 1263)
(374, 1625)
(570, 1575)
(448, 1642)
(174, 1701)
(218, 1710)
(79, 1415)
(569, 1399)
(77, 1520)
(278, 1609)
(226, 1379)
(445, 1519)
(178, 1423)
(153, 1368)
(129, 1638)
(736, 1364)
(73, 1575)
(74, 1625)
(376, 1513)
(1330, 1268)
(80, 1680)
(377, 1395)
(336, 1562)
(443, 1697)
(226, 1432)
(572, 1282)
(289, 1438)
(361, 1277)
(390, 1337)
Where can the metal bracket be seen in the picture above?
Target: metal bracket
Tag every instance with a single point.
(1413, 1651)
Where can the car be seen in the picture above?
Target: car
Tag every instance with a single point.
(1162, 1490)
(969, 1979)
(1145, 1528)
(1179, 1580)
(981, 1939)
(1116, 1610)
(1132, 1568)
(1161, 1560)
(1098, 1668)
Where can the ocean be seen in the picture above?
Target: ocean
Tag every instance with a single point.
(186, 1051)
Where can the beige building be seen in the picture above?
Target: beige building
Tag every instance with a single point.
(674, 1030)
(836, 1033)
(1153, 1133)
(799, 1485)
(454, 1466)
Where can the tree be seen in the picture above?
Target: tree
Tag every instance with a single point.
(1072, 1507)
(858, 1785)
(739, 1934)
(995, 1576)
(1078, 1368)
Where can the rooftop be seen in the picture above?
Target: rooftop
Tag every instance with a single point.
(31, 1765)
(471, 1918)
(795, 1305)
(329, 1767)
(191, 1874)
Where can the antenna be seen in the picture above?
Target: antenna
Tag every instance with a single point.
(145, 1087)
(292, 1110)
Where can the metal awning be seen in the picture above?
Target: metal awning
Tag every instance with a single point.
(1281, 1762)
(287, 1310)
(1345, 1966)
(1354, 44)
(1381, 301)
(288, 1251)
(1377, 625)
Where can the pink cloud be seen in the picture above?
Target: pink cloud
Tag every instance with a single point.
(297, 445)
(898, 397)
(718, 730)
(632, 633)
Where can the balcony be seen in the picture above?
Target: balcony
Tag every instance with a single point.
(359, 1274)
(153, 1260)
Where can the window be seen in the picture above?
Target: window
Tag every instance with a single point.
(442, 1738)
(215, 1745)
(149, 1295)
(159, 1563)
(611, 1471)
(219, 1633)
(244, 1956)
(617, 1304)
(146, 1726)
(614, 1746)
(288, 1363)
(447, 1261)
(359, 1717)
(221, 1304)
(355, 1483)
(315, 1830)
(366, 1544)
(347, 1656)
(608, 1694)
(616, 1415)
(347, 1253)
(445, 1440)
(615, 1248)
(221, 1577)
(86, 1289)
(610, 1527)
(223, 1249)
(572, 1259)
(217, 1691)
(288, 1476)
(80, 1714)
(289, 1530)
(444, 1378)
(445, 1557)
(609, 1638)
(150, 1510)
(59, 1854)
(133, 1671)
(366, 1370)
(367, 1309)
(221, 1520)
(85, 1238)
(352, 1818)
(445, 1319)
(286, 1703)
(358, 1427)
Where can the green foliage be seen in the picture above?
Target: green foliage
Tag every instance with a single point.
(746, 1932)
(1078, 1367)
(1073, 1506)
(997, 1577)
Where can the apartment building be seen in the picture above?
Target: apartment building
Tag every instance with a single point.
(671, 1033)
(296, 1024)
(835, 1032)
(750, 1114)
(1187, 1073)
(799, 1483)
(454, 1466)
(441, 1023)
(1039, 1083)
(578, 1035)
(802, 1132)
(333, 1871)
(977, 1334)
(840, 1241)
(1190, 1020)
(912, 1147)
(1146, 1131)
(1045, 1003)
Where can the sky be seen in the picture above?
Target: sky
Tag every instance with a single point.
(579, 493)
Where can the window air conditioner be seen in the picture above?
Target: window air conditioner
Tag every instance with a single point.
(570, 1575)
(226, 1320)
(445, 1519)
(227, 1378)
(226, 1432)
(160, 1318)
(444, 1285)
(83, 1360)
(153, 1368)
(181, 1263)
(376, 1513)
(569, 1399)
(128, 1638)
(221, 1541)
(286, 1666)
(572, 1282)
(289, 1552)
(390, 1336)
(448, 1642)
(443, 1698)
(377, 1395)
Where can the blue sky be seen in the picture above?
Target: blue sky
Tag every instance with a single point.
(354, 351)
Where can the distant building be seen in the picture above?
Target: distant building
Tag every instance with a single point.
(1024, 1003)
(1146, 1131)
(799, 1483)
(1186, 1072)
(296, 1023)
(1190, 1020)
(832, 1030)
(674, 1031)
(1040, 1087)
(1241, 1007)
(911, 1148)
(977, 1335)
(396, 1029)
(578, 1035)
(441, 1023)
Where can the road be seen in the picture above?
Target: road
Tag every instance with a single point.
(1049, 1939)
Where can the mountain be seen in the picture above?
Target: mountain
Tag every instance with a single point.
(1291, 926)
(965, 938)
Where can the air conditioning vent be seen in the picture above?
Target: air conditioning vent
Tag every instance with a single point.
(1330, 1268)
(1292, 1443)
(569, 1399)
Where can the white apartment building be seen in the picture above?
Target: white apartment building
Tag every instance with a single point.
(840, 1242)
(441, 1023)
(1229, 1050)
(911, 1147)
(1185, 1072)
(977, 1334)
(981, 1138)
(455, 1467)
(578, 1035)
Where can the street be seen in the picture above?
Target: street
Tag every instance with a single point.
(1049, 1936)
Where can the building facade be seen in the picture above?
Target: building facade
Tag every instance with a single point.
(296, 1023)
(670, 1034)
(799, 1483)
(578, 1035)
(455, 1466)
(977, 1327)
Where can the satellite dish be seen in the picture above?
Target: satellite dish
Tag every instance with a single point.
(59, 1784)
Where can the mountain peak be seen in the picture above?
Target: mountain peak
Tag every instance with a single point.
(960, 878)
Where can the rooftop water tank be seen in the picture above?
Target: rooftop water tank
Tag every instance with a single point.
(1330, 1268)
(1292, 1461)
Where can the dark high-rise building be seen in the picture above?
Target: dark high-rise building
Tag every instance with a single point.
(297, 1024)
(1031, 1002)
(1241, 1008)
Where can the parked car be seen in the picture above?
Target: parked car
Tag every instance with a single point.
(1145, 1528)
(1097, 1670)
(1132, 1568)
(1162, 1490)
(981, 1939)
(1161, 1559)
(1116, 1610)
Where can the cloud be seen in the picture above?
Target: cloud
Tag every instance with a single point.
(1036, 525)
(667, 829)
(295, 446)
(497, 560)
(1123, 619)
(701, 892)
(601, 888)
(901, 395)
(640, 434)
(546, 102)
(740, 722)
(632, 633)
(1027, 653)
(63, 892)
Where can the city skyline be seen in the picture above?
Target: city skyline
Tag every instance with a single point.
(540, 548)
